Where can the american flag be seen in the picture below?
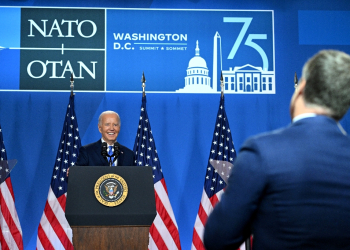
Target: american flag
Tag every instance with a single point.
(11, 232)
(54, 231)
(164, 233)
(222, 150)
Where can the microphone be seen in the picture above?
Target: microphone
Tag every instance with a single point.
(104, 150)
(116, 151)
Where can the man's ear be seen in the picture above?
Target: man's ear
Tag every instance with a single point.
(99, 128)
(301, 85)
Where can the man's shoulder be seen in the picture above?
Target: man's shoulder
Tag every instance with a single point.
(92, 145)
(125, 149)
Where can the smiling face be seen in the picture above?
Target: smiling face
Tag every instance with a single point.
(109, 127)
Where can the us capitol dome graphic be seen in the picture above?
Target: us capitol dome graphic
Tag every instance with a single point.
(197, 79)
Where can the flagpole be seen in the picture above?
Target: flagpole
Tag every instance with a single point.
(222, 86)
(143, 80)
(71, 85)
(295, 80)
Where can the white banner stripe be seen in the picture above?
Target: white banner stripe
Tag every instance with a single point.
(10, 205)
(163, 196)
(164, 233)
(151, 244)
(58, 211)
(38, 244)
(206, 204)
(11, 243)
(50, 233)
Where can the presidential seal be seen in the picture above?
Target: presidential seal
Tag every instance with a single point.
(111, 190)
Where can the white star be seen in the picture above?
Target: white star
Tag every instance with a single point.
(207, 177)
(62, 178)
(224, 156)
(213, 179)
(148, 157)
(141, 154)
(58, 159)
(66, 161)
(55, 176)
(74, 155)
(57, 167)
(140, 117)
(209, 168)
(67, 152)
(75, 146)
(77, 129)
(149, 148)
(71, 126)
(140, 163)
(3, 150)
(150, 139)
(77, 137)
(213, 151)
(219, 153)
(221, 144)
(227, 139)
(223, 127)
(216, 133)
(72, 163)
(214, 142)
(61, 150)
(155, 159)
(60, 188)
(221, 107)
(220, 116)
(142, 145)
(68, 143)
(212, 188)
(142, 109)
(139, 126)
(231, 159)
(154, 167)
(221, 182)
(144, 137)
(228, 130)
(70, 135)
(145, 129)
(232, 150)
(72, 118)
(64, 170)
(218, 125)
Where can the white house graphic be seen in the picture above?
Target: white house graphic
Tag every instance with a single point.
(197, 79)
(249, 80)
(246, 79)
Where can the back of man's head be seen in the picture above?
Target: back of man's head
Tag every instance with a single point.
(327, 76)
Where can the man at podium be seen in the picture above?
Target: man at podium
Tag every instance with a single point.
(106, 151)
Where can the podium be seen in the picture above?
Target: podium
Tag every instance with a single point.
(98, 226)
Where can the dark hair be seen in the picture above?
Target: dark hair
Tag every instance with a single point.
(327, 76)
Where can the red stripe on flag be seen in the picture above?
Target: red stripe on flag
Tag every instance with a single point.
(62, 200)
(168, 222)
(196, 241)
(202, 214)
(164, 185)
(157, 238)
(55, 224)
(214, 199)
(9, 186)
(6, 214)
(45, 242)
(3, 244)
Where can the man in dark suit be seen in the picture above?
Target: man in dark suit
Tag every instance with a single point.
(109, 127)
(290, 188)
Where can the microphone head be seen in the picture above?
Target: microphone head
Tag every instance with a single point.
(116, 150)
(104, 149)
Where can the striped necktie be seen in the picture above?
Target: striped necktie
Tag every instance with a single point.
(110, 152)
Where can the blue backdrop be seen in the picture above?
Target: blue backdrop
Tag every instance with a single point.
(182, 124)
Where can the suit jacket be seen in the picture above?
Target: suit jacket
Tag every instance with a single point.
(90, 155)
(290, 189)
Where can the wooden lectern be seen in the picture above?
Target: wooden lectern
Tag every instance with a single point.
(96, 226)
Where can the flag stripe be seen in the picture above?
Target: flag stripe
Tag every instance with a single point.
(43, 240)
(54, 231)
(11, 231)
(222, 150)
(157, 238)
(8, 211)
(164, 233)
